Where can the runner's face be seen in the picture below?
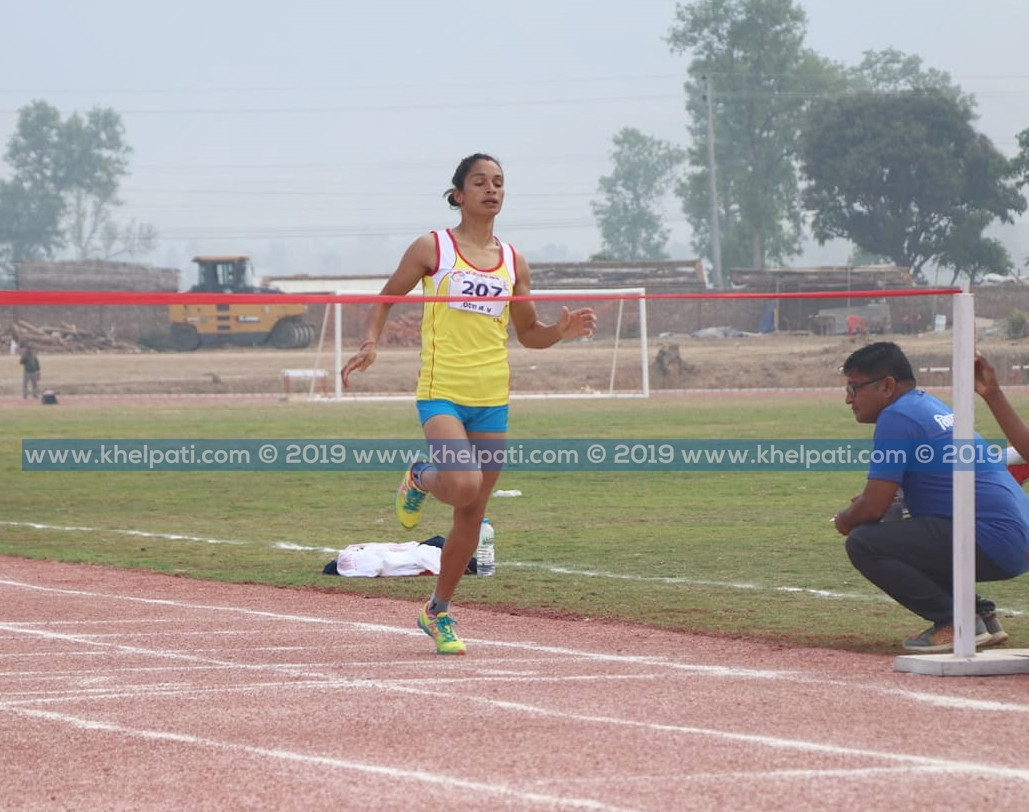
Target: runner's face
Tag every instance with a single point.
(483, 188)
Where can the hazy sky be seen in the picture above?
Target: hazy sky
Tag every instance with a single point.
(320, 136)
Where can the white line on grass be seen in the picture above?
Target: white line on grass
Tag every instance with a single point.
(820, 593)
(672, 579)
(136, 533)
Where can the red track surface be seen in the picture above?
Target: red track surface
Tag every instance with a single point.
(123, 690)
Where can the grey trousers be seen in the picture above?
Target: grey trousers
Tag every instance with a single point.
(912, 562)
(30, 380)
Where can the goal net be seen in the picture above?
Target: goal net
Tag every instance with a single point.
(613, 363)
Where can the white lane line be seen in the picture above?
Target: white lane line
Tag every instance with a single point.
(567, 653)
(493, 789)
(530, 677)
(379, 628)
(99, 622)
(435, 689)
(633, 660)
(167, 633)
(649, 779)
(774, 742)
(965, 703)
(162, 690)
(103, 689)
(78, 678)
(179, 656)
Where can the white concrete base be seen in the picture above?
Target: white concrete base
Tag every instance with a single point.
(989, 663)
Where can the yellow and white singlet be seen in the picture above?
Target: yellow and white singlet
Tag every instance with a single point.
(464, 344)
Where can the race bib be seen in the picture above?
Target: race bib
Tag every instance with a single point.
(486, 292)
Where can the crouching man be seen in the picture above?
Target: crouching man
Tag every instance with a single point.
(912, 560)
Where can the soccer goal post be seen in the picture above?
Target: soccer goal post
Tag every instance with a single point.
(599, 367)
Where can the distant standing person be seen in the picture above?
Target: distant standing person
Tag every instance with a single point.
(912, 561)
(464, 382)
(30, 372)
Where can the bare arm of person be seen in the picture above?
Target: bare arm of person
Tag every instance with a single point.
(530, 330)
(1013, 426)
(868, 506)
(418, 260)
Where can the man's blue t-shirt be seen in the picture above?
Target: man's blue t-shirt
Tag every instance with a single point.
(1001, 506)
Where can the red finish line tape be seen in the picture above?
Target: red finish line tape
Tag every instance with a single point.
(17, 298)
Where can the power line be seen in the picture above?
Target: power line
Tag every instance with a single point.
(402, 107)
(435, 87)
(392, 87)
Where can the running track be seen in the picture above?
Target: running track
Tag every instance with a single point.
(133, 691)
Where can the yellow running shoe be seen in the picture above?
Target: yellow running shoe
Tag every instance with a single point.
(441, 629)
(409, 500)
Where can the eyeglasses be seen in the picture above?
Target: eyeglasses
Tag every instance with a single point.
(853, 387)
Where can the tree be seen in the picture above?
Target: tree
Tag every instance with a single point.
(132, 239)
(905, 176)
(29, 222)
(1020, 163)
(643, 170)
(749, 55)
(64, 182)
(30, 202)
(892, 71)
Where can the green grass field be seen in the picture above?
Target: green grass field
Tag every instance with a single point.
(731, 553)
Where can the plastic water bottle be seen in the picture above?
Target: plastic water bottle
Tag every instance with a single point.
(485, 554)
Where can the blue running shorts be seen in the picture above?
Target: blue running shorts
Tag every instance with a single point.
(473, 418)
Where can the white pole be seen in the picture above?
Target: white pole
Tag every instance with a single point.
(338, 342)
(643, 343)
(318, 353)
(614, 355)
(963, 367)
